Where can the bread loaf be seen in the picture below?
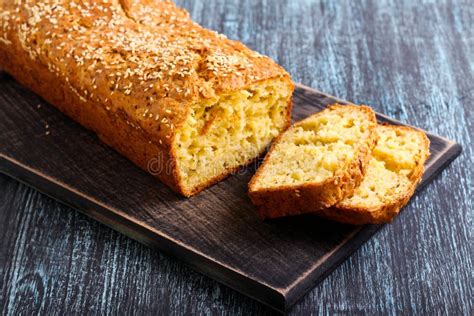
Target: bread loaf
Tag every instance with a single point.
(316, 163)
(396, 167)
(182, 102)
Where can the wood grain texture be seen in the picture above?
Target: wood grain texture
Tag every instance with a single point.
(410, 60)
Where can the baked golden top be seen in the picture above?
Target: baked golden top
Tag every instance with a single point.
(145, 59)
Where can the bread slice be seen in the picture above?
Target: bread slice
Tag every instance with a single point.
(394, 170)
(316, 163)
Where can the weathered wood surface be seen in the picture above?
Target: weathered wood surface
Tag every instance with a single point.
(412, 61)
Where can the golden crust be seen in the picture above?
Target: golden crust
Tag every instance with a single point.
(360, 215)
(288, 200)
(128, 70)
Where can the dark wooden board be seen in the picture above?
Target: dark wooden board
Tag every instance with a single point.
(217, 232)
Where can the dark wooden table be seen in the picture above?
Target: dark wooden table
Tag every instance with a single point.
(413, 61)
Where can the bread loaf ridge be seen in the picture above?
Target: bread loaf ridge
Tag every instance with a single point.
(140, 74)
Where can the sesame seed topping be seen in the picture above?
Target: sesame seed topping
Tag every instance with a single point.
(124, 55)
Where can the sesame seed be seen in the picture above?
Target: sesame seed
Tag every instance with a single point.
(160, 46)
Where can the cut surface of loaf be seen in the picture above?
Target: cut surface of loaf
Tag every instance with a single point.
(316, 163)
(182, 102)
(230, 130)
(396, 167)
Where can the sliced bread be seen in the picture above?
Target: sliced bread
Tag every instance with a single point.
(396, 167)
(316, 163)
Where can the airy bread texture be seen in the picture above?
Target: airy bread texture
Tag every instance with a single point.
(182, 102)
(316, 163)
(396, 167)
(228, 131)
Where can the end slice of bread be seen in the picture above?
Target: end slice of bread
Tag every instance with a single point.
(396, 167)
(316, 163)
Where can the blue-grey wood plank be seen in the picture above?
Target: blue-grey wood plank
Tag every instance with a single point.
(412, 60)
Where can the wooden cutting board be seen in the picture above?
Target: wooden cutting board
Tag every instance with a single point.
(216, 232)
